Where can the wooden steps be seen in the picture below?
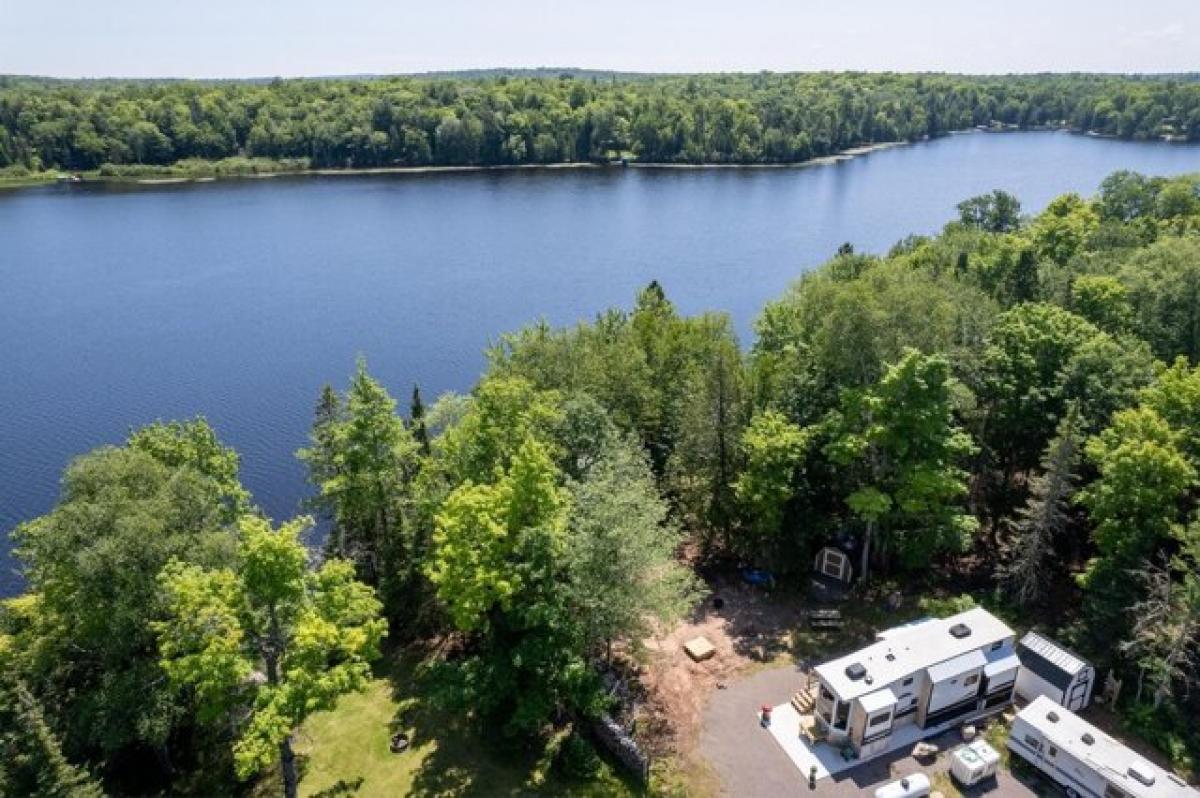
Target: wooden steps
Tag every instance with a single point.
(805, 700)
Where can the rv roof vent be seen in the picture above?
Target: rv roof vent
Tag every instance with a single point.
(890, 657)
(960, 630)
(868, 679)
(1142, 772)
(1088, 739)
(855, 671)
(1052, 717)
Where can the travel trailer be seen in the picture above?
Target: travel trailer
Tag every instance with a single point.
(932, 673)
(1053, 671)
(1084, 760)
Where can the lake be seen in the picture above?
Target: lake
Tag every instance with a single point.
(237, 300)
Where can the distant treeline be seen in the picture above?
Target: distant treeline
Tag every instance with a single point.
(541, 117)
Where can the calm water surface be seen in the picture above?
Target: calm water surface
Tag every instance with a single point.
(238, 300)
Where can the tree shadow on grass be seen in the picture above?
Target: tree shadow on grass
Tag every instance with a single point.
(343, 787)
(460, 758)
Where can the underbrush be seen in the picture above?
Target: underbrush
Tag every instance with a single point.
(200, 167)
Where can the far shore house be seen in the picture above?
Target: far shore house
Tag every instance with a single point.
(930, 673)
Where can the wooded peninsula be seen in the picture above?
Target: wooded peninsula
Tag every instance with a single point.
(192, 128)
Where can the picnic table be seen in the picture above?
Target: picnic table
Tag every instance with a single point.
(826, 619)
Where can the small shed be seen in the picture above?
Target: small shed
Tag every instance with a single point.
(833, 563)
(1048, 669)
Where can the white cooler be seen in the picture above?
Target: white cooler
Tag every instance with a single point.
(973, 763)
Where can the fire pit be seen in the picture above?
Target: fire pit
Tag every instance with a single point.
(399, 743)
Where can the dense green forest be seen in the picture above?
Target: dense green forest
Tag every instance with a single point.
(575, 117)
(1009, 407)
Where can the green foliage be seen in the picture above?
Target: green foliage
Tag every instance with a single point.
(127, 126)
(1039, 358)
(1164, 290)
(942, 607)
(87, 644)
(775, 450)
(998, 212)
(676, 383)
(493, 541)
(194, 443)
(1060, 231)
(1134, 504)
(829, 334)
(621, 571)
(31, 758)
(363, 461)
(1104, 301)
(1035, 533)
(904, 448)
(311, 634)
(1175, 396)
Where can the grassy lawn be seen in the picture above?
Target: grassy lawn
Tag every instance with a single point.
(345, 752)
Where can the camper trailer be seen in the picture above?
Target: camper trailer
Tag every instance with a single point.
(1085, 761)
(1053, 671)
(932, 673)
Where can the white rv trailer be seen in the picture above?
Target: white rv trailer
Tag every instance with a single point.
(1053, 671)
(1084, 760)
(932, 673)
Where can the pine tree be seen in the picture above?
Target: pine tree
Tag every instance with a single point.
(321, 459)
(1033, 533)
(1165, 640)
(416, 416)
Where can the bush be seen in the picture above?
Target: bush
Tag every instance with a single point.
(1167, 730)
(577, 758)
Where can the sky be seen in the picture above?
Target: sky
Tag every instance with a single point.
(262, 38)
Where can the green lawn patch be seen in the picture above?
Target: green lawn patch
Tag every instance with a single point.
(345, 751)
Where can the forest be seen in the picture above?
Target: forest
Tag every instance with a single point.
(119, 128)
(1010, 408)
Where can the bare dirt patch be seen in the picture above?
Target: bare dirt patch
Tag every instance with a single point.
(749, 629)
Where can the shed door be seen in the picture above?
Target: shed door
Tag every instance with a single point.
(1077, 693)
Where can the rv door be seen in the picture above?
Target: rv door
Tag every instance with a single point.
(1079, 691)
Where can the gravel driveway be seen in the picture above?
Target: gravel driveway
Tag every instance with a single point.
(751, 764)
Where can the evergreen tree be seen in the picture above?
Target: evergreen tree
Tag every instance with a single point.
(322, 460)
(1039, 525)
(416, 416)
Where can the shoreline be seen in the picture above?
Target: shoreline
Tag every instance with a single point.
(170, 180)
(825, 160)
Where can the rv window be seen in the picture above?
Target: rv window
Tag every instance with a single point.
(880, 719)
(1033, 742)
(996, 646)
(970, 680)
(907, 682)
(825, 694)
(1053, 751)
(1112, 792)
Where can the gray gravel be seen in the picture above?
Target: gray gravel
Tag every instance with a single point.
(751, 764)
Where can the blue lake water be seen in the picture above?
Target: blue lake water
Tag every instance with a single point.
(237, 300)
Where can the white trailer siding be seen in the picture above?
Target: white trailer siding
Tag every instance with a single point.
(1080, 757)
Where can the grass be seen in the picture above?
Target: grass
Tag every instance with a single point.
(943, 783)
(16, 177)
(345, 751)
